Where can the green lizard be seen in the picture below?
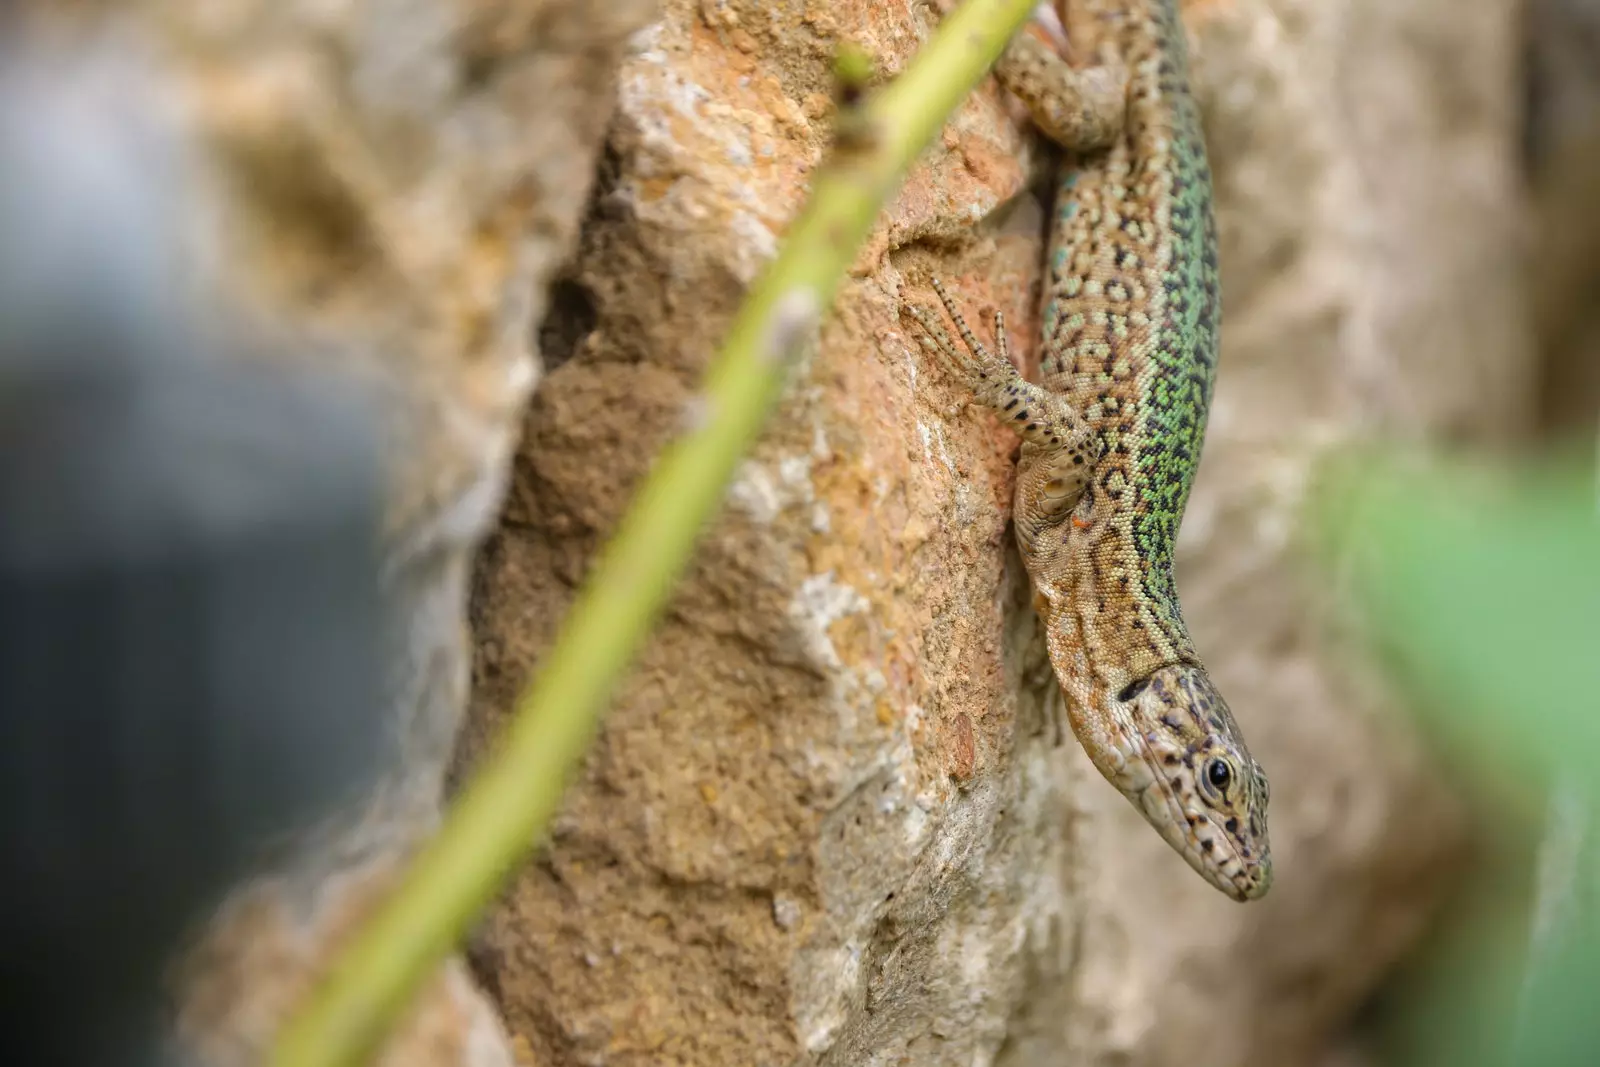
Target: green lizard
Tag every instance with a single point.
(1111, 438)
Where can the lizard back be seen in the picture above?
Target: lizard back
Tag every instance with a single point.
(1131, 313)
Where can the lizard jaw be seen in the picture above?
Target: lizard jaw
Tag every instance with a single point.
(1203, 845)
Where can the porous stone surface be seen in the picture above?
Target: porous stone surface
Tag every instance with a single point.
(826, 821)
(383, 190)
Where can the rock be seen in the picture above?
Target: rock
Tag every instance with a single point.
(825, 821)
(385, 190)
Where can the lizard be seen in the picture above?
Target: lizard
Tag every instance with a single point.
(1112, 433)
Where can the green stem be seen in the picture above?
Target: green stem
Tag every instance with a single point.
(504, 809)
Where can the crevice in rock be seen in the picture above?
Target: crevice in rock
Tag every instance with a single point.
(571, 318)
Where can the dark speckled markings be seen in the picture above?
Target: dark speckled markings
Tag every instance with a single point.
(1131, 314)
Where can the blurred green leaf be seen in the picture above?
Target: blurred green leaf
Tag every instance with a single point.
(1482, 586)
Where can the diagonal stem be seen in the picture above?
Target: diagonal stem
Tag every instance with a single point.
(502, 813)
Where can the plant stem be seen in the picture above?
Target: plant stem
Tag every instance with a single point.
(503, 811)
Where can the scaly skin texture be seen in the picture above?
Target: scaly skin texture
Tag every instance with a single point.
(1112, 436)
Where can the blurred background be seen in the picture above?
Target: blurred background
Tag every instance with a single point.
(334, 338)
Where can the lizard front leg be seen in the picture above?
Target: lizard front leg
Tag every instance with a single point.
(1059, 448)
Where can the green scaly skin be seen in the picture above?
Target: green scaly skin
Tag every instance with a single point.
(1113, 435)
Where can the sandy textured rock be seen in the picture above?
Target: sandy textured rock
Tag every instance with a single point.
(384, 188)
(825, 822)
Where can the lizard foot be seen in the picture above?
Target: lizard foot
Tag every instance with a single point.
(1043, 419)
(1059, 447)
(979, 368)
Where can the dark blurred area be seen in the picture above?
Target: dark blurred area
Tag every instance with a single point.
(189, 601)
(1561, 126)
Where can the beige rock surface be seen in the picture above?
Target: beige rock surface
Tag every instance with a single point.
(825, 822)
(386, 187)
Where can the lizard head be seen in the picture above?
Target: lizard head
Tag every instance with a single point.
(1195, 781)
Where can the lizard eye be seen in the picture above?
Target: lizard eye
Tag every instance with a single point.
(1219, 774)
